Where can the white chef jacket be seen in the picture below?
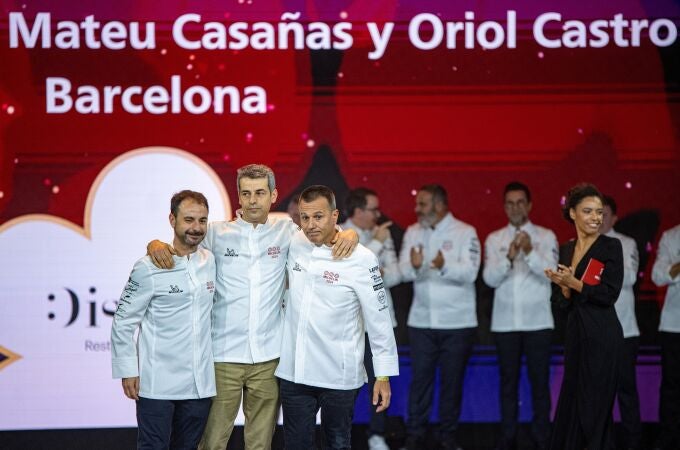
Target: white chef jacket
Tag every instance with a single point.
(667, 255)
(332, 304)
(387, 258)
(251, 269)
(442, 299)
(625, 304)
(173, 356)
(521, 300)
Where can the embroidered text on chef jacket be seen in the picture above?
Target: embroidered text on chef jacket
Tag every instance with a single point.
(521, 299)
(173, 358)
(251, 263)
(387, 258)
(442, 299)
(332, 304)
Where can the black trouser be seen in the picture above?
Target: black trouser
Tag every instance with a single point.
(450, 350)
(536, 347)
(377, 422)
(300, 404)
(171, 424)
(669, 395)
(627, 393)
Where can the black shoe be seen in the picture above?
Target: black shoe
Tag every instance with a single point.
(662, 445)
(450, 444)
(412, 443)
(506, 444)
(542, 446)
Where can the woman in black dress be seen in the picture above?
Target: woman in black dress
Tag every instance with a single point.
(587, 283)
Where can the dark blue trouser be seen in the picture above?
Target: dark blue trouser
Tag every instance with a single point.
(450, 350)
(669, 394)
(377, 421)
(171, 424)
(536, 347)
(301, 403)
(627, 393)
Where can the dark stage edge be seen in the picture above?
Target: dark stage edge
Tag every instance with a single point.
(471, 437)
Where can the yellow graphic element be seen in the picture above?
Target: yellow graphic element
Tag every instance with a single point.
(85, 231)
(10, 357)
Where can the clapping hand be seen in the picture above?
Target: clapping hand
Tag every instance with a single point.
(417, 256)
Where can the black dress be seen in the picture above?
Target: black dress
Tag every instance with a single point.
(592, 343)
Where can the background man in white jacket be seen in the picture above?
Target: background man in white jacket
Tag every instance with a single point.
(363, 211)
(172, 307)
(441, 255)
(332, 304)
(666, 272)
(627, 393)
(522, 322)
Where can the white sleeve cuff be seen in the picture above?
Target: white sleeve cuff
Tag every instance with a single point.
(386, 366)
(124, 367)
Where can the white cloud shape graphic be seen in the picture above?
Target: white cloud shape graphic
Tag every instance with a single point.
(52, 269)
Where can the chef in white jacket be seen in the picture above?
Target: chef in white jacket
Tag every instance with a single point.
(362, 206)
(666, 272)
(515, 257)
(441, 255)
(332, 304)
(169, 370)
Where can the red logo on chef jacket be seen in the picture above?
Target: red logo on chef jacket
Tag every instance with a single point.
(274, 252)
(447, 246)
(330, 277)
(210, 286)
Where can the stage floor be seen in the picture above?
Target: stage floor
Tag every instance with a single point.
(472, 437)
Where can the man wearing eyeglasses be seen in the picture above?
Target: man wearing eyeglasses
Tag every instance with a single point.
(363, 211)
(521, 321)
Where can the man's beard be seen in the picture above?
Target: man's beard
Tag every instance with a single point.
(426, 220)
(187, 238)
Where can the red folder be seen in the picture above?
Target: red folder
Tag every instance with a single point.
(593, 272)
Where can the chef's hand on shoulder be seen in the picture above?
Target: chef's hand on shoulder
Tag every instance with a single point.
(344, 243)
(161, 254)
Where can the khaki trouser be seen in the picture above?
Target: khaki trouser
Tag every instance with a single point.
(260, 391)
